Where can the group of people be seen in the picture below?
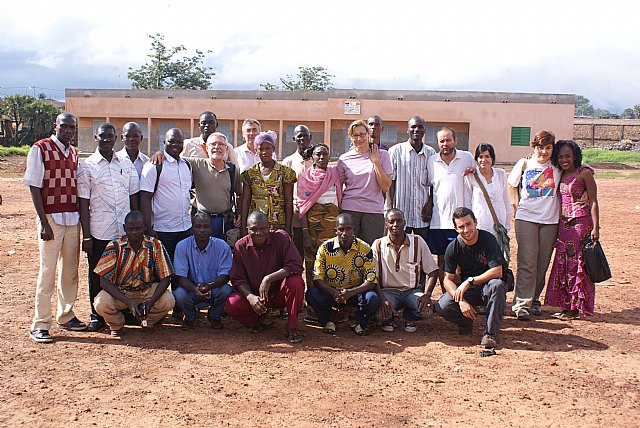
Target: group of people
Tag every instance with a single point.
(201, 225)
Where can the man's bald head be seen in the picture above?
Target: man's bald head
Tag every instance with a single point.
(131, 126)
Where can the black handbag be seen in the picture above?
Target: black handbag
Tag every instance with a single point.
(595, 262)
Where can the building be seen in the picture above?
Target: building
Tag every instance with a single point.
(505, 120)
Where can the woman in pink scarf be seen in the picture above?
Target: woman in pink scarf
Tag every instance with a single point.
(319, 195)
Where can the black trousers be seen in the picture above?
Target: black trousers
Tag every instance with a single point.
(97, 248)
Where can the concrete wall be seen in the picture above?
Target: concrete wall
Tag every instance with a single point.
(606, 133)
(479, 116)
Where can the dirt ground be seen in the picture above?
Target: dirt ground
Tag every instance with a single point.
(546, 372)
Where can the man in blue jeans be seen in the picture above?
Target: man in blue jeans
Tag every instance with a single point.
(203, 267)
(477, 254)
(344, 275)
(400, 260)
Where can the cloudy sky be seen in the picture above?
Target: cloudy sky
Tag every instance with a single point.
(583, 47)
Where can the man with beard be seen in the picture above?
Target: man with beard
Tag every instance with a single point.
(446, 172)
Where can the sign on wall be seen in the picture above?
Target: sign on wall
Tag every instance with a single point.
(352, 107)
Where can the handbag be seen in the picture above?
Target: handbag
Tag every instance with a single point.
(595, 262)
(504, 242)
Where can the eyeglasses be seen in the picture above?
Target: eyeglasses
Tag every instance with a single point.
(359, 136)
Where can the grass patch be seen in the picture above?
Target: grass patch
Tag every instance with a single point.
(616, 174)
(600, 155)
(14, 151)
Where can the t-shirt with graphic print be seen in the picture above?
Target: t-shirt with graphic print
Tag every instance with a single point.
(539, 201)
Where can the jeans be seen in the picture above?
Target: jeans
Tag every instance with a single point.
(407, 300)
(493, 294)
(323, 304)
(170, 241)
(188, 302)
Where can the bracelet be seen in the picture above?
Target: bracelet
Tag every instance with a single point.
(305, 228)
(86, 239)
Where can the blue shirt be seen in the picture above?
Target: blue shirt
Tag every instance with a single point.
(202, 266)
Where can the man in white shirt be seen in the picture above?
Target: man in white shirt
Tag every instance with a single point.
(131, 138)
(165, 199)
(196, 147)
(108, 186)
(246, 154)
(52, 164)
(446, 176)
(302, 137)
(409, 190)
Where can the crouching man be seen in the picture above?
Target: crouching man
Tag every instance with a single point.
(477, 254)
(400, 259)
(135, 272)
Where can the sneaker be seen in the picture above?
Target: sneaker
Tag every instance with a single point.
(387, 327)
(310, 320)
(357, 329)
(177, 314)
(410, 327)
(523, 315)
(117, 334)
(465, 330)
(41, 336)
(74, 324)
(489, 341)
(535, 309)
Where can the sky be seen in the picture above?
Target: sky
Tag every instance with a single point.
(577, 47)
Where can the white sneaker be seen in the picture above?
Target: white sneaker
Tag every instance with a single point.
(387, 327)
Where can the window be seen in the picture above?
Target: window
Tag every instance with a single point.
(520, 135)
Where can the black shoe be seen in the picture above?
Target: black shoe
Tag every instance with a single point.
(129, 319)
(489, 341)
(177, 314)
(465, 330)
(74, 324)
(41, 336)
(95, 325)
(284, 314)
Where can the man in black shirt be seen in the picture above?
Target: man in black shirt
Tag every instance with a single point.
(477, 254)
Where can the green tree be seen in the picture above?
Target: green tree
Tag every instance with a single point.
(166, 72)
(601, 113)
(307, 79)
(628, 113)
(636, 109)
(583, 107)
(29, 119)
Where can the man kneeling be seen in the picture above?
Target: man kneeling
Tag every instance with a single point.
(400, 259)
(203, 266)
(266, 273)
(477, 254)
(135, 271)
(344, 275)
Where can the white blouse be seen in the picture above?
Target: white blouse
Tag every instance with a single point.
(498, 194)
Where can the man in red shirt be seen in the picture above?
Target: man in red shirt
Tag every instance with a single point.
(266, 273)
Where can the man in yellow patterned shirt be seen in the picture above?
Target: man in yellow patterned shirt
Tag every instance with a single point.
(344, 275)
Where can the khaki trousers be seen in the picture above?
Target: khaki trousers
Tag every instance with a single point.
(63, 253)
(110, 308)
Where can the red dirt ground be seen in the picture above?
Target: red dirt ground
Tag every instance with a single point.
(546, 372)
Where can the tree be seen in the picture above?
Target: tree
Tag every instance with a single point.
(601, 113)
(636, 109)
(628, 113)
(583, 107)
(165, 72)
(29, 119)
(307, 79)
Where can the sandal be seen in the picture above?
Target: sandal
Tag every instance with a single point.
(357, 329)
(293, 336)
(567, 315)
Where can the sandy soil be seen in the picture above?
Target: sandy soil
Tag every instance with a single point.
(546, 372)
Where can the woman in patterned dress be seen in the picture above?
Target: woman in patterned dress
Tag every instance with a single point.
(569, 287)
(268, 187)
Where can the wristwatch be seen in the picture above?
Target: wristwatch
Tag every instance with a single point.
(470, 280)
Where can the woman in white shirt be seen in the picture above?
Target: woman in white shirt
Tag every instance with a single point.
(533, 189)
(494, 181)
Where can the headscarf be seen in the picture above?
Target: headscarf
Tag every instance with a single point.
(266, 137)
(313, 183)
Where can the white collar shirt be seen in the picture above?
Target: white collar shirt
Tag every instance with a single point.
(107, 186)
(448, 186)
(171, 201)
(141, 159)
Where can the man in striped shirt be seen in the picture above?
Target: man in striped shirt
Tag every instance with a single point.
(410, 185)
(135, 272)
